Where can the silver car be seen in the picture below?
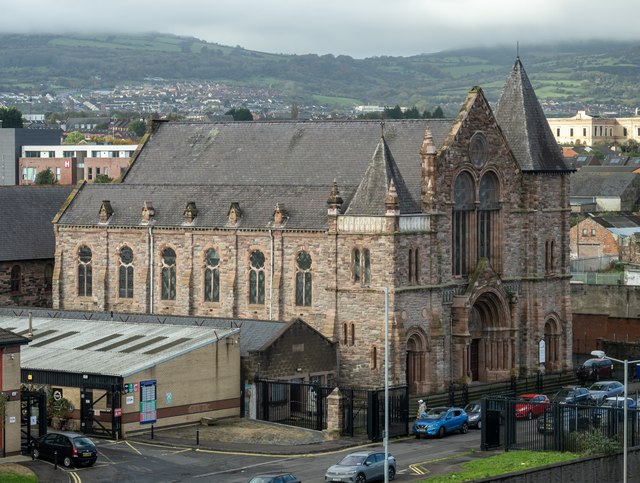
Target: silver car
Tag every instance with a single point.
(361, 467)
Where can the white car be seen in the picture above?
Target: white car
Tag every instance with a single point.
(361, 467)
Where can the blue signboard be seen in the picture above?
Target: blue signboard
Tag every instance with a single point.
(148, 402)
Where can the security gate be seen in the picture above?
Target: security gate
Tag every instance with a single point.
(106, 421)
(33, 418)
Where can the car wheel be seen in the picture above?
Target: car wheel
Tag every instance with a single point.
(479, 425)
(392, 473)
(441, 432)
(361, 478)
(529, 415)
(67, 462)
(465, 428)
(36, 453)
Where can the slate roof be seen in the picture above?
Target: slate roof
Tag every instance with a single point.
(26, 232)
(618, 220)
(525, 126)
(253, 333)
(369, 198)
(593, 182)
(259, 164)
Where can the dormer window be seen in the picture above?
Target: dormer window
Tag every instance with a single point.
(148, 212)
(235, 213)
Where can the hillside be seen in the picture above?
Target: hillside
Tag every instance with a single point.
(593, 72)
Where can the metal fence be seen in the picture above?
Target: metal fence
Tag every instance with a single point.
(597, 278)
(512, 424)
(592, 264)
(305, 405)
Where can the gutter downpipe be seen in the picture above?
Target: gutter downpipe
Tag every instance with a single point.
(151, 270)
(273, 264)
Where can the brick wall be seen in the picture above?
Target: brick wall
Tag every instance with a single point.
(34, 291)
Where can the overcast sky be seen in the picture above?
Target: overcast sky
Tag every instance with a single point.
(359, 28)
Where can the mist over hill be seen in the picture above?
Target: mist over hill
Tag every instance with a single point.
(580, 74)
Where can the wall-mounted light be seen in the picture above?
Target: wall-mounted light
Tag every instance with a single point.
(299, 369)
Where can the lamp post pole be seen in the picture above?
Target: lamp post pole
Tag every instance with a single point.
(386, 384)
(625, 424)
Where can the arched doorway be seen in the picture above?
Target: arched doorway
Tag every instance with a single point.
(490, 348)
(417, 362)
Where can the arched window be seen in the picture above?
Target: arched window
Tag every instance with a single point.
(48, 275)
(463, 208)
(488, 218)
(168, 274)
(84, 271)
(256, 277)
(362, 266)
(212, 276)
(414, 266)
(345, 334)
(374, 357)
(549, 259)
(125, 273)
(353, 333)
(303, 279)
(16, 275)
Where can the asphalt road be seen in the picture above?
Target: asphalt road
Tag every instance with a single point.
(150, 463)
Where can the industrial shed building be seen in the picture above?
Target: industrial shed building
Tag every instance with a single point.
(122, 377)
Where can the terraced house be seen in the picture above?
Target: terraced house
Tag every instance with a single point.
(465, 221)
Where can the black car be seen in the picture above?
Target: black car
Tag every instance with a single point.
(69, 449)
(572, 395)
(474, 411)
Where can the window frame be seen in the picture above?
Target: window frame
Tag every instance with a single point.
(211, 277)
(303, 280)
(257, 278)
(84, 272)
(168, 275)
(126, 270)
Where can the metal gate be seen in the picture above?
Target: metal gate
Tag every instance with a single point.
(33, 418)
(105, 422)
(398, 413)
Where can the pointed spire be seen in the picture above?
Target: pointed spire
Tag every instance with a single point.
(335, 200)
(391, 200)
(525, 126)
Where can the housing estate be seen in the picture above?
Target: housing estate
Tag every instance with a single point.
(453, 232)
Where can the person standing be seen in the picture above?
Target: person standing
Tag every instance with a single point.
(422, 408)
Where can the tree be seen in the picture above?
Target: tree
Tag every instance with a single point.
(74, 137)
(102, 178)
(45, 177)
(437, 113)
(11, 117)
(240, 114)
(139, 127)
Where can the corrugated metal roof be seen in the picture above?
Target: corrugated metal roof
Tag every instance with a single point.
(109, 348)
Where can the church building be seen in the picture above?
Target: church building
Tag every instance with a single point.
(454, 233)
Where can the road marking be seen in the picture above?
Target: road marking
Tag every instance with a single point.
(75, 477)
(419, 469)
(241, 468)
(134, 449)
(176, 452)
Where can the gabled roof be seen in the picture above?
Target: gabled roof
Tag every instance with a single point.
(369, 198)
(9, 339)
(286, 327)
(618, 220)
(600, 182)
(26, 213)
(525, 126)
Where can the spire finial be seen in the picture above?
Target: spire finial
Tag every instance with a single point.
(517, 49)
(381, 128)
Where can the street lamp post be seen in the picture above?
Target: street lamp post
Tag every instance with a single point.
(386, 384)
(625, 424)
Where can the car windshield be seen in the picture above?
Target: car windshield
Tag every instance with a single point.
(526, 398)
(472, 407)
(83, 443)
(436, 412)
(589, 363)
(261, 479)
(598, 387)
(565, 393)
(352, 460)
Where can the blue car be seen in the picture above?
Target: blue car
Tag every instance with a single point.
(440, 421)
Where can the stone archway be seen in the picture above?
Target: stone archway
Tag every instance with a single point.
(490, 351)
(417, 345)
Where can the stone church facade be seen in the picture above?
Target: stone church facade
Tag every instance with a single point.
(463, 222)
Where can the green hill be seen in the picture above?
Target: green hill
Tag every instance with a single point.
(589, 72)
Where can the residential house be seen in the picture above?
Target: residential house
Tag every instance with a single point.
(605, 188)
(601, 235)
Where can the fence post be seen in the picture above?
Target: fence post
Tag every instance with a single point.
(465, 394)
(540, 382)
(452, 394)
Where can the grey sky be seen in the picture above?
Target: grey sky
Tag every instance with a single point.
(359, 28)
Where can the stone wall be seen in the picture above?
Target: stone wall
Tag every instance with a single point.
(35, 289)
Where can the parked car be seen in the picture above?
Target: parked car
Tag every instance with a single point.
(275, 478)
(73, 449)
(474, 413)
(440, 421)
(612, 407)
(572, 395)
(360, 467)
(599, 391)
(569, 419)
(595, 370)
(534, 406)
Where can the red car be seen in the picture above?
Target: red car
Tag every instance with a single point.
(534, 407)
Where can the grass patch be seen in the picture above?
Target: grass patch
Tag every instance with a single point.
(503, 463)
(336, 101)
(14, 473)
